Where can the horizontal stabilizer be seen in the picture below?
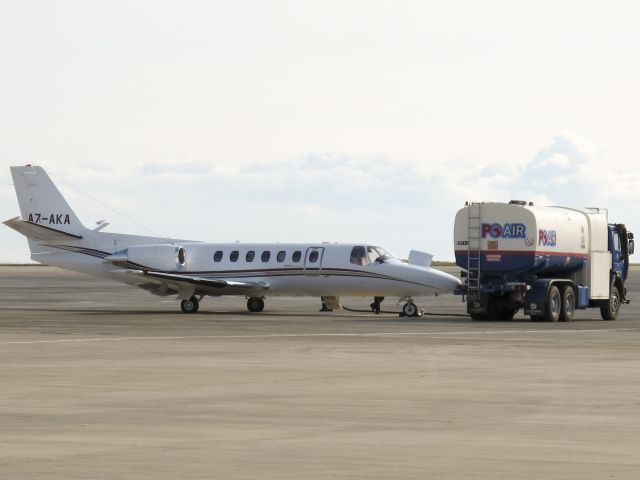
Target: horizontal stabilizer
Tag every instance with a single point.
(35, 231)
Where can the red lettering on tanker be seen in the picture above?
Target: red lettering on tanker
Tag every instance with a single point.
(492, 245)
(547, 238)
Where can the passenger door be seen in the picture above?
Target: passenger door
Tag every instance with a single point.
(313, 261)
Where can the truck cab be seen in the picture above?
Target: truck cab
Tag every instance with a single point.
(621, 246)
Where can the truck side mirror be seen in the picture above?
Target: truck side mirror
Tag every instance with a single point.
(631, 245)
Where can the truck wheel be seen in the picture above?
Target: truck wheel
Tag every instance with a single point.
(568, 304)
(494, 308)
(609, 310)
(507, 314)
(554, 305)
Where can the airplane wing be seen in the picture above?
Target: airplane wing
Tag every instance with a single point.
(36, 231)
(168, 283)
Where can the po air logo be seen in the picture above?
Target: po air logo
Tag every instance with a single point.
(507, 230)
(547, 238)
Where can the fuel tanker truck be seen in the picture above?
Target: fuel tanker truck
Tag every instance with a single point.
(549, 261)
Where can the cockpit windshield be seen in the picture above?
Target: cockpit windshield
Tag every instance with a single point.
(369, 255)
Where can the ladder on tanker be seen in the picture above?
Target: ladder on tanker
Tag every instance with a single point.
(474, 251)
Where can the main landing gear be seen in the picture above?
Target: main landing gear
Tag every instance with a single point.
(255, 304)
(190, 306)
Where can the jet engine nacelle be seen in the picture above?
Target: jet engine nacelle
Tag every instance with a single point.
(164, 257)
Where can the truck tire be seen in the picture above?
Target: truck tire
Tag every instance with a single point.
(507, 314)
(496, 309)
(554, 305)
(568, 304)
(609, 310)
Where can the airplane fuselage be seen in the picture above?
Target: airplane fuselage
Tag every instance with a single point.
(318, 269)
(192, 270)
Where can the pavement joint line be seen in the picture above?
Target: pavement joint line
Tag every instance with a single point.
(311, 335)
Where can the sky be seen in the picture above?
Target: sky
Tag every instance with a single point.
(309, 121)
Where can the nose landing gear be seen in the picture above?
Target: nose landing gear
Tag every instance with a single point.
(410, 309)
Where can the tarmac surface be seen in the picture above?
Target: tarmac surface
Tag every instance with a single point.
(104, 381)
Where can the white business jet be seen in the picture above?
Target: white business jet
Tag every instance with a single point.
(192, 270)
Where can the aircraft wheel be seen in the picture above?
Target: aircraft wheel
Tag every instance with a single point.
(190, 306)
(568, 304)
(554, 305)
(609, 310)
(255, 304)
(409, 309)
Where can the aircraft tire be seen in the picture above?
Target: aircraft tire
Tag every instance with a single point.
(409, 309)
(190, 306)
(255, 304)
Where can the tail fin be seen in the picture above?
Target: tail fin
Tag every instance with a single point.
(41, 203)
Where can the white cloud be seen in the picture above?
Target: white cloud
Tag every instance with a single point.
(326, 197)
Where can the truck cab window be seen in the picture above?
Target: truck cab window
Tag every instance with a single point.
(616, 242)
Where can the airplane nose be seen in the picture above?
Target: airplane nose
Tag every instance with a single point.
(447, 282)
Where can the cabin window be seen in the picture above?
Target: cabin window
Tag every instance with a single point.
(250, 256)
(359, 255)
(313, 256)
(281, 256)
(266, 255)
(234, 256)
(375, 254)
(217, 257)
(297, 255)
